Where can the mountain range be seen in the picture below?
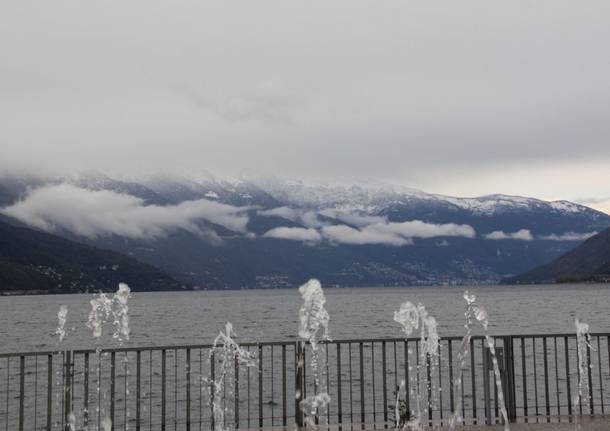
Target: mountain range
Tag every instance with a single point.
(267, 232)
(588, 262)
(38, 262)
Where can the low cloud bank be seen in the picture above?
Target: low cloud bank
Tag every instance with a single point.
(568, 236)
(307, 218)
(377, 231)
(96, 213)
(522, 235)
(294, 234)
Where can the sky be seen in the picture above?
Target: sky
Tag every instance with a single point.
(461, 98)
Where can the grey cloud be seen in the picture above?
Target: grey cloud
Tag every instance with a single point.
(352, 218)
(96, 213)
(568, 236)
(306, 217)
(434, 96)
(523, 235)
(294, 234)
(395, 234)
(348, 235)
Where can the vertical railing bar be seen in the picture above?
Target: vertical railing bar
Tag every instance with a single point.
(248, 391)
(599, 370)
(440, 383)
(99, 388)
(546, 380)
(284, 388)
(188, 389)
(473, 382)
(569, 384)
(362, 413)
(298, 383)
(21, 392)
(339, 394)
(351, 378)
(200, 389)
(260, 386)
(373, 382)
(49, 391)
(86, 392)
(395, 366)
(486, 395)
(150, 392)
(578, 378)
(524, 377)
(590, 376)
(384, 383)
(535, 376)
(272, 359)
(212, 389)
(451, 395)
(112, 386)
(163, 387)
(126, 387)
(36, 391)
(67, 395)
(175, 389)
(407, 389)
(138, 390)
(429, 387)
(8, 389)
(236, 391)
(556, 377)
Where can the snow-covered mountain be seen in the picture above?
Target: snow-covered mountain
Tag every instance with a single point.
(270, 232)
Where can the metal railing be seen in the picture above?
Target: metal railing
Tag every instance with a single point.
(169, 387)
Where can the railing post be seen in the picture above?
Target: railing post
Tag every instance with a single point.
(67, 389)
(299, 383)
(508, 382)
(21, 392)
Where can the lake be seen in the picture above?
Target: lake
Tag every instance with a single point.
(27, 323)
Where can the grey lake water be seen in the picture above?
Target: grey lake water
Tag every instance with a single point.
(27, 323)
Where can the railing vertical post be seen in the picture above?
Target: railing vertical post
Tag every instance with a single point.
(138, 388)
(49, 391)
(86, 393)
(67, 389)
(510, 395)
(260, 386)
(589, 375)
(486, 393)
(112, 386)
(339, 393)
(21, 392)
(188, 389)
(236, 391)
(163, 378)
(299, 383)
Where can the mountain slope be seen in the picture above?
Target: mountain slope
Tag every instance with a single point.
(38, 262)
(588, 262)
(511, 234)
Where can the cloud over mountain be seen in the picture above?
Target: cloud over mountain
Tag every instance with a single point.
(97, 213)
(522, 234)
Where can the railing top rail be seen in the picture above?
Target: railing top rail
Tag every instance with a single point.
(280, 343)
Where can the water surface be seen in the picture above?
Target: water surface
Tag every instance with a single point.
(27, 323)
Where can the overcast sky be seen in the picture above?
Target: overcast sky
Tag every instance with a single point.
(462, 98)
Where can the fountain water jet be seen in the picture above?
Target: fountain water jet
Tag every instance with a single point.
(105, 309)
(230, 353)
(413, 317)
(475, 313)
(313, 327)
(583, 344)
